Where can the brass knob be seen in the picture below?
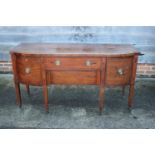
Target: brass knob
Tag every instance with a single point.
(88, 63)
(120, 71)
(26, 59)
(57, 62)
(27, 70)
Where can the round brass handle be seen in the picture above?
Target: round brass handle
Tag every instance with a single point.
(88, 63)
(57, 62)
(27, 70)
(120, 71)
(26, 59)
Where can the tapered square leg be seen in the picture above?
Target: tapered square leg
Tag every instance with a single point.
(18, 94)
(132, 82)
(101, 99)
(45, 89)
(102, 85)
(45, 93)
(130, 97)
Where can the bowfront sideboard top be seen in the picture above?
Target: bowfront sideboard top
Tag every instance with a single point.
(63, 49)
(43, 64)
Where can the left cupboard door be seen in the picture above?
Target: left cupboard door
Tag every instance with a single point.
(29, 69)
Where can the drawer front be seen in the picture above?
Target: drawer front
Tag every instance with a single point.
(72, 63)
(72, 77)
(118, 71)
(29, 70)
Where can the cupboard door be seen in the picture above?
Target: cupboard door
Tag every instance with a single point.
(29, 70)
(118, 71)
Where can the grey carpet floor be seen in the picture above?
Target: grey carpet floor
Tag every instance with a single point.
(77, 107)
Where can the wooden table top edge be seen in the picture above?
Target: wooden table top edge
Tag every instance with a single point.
(73, 49)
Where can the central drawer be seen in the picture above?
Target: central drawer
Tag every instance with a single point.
(73, 77)
(71, 63)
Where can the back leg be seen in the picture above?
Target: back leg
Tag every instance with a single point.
(123, 90)
(28, 89)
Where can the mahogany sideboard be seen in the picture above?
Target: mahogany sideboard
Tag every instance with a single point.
(43, 64)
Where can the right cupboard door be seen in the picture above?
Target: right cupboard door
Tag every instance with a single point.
(118, 71)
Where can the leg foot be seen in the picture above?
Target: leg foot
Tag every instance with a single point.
(129, 109)
(47, 111)
(100, 111)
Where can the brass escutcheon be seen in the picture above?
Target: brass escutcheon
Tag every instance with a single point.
(120, 71)
(57, 62)
(27, 70)
(88, 63)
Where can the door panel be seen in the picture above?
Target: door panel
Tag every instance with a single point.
(118, 71)
(29, 70)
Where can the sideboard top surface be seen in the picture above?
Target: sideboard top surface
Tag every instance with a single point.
(74, 49)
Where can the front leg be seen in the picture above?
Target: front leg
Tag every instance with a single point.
(130, 97)
(45, 93)
(45, 90)
(101, 99)
(132, 81)
(102, 85)
(18, 93)
(16, 81)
